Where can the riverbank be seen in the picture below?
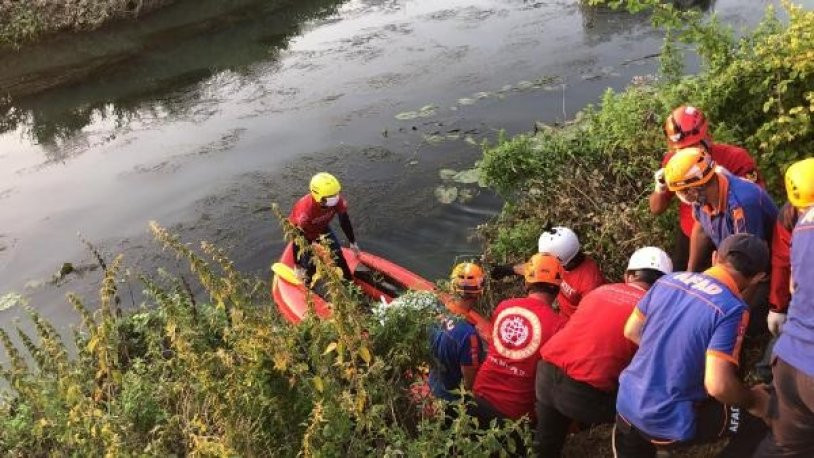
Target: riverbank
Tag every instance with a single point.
(594, 173)
(218, 373)
(25, 21)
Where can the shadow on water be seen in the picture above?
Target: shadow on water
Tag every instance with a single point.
(135, 70)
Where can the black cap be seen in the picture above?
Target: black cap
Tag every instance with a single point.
(747, 253)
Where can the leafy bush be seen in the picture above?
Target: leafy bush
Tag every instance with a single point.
(228, 377)
(595, 172)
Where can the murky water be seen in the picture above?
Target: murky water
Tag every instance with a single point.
(201, 116)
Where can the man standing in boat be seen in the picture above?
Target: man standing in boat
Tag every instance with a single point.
(312, 215)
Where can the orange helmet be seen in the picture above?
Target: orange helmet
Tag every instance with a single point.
(543, 268)
(467, 278)
(686, 126)
(688, 168)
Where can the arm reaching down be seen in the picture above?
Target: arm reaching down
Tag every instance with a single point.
(722, 383)
(347, 228)
(699, 246)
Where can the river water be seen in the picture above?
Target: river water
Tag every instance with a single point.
(202, 115)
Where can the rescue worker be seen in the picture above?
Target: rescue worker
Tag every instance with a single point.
(792, 423)
(312, 215)
(722, 205)
(580, 274)
(779, 281)
(779, 295)
(687, 127)
(504, 386)
(682, 384)
(456, 349)
(579, 372)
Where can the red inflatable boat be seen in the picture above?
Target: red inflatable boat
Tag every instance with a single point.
(377, 277)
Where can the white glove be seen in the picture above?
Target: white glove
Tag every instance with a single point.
(660, 183)
(775, 321)
(355, 247)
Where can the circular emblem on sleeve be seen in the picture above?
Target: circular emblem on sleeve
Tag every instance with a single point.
(517, 333)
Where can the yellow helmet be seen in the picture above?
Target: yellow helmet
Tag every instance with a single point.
(324, 185)
(689, 168)
(467, 278)
(543, 268)
(800, 183)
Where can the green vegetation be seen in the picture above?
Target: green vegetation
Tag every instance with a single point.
(22, 21)
(595, 172)
(225, 378)
(228, 377)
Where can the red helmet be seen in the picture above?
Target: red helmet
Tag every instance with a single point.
(686, 126)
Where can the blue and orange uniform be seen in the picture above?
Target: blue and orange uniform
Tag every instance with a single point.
(734, 159)
(744, 207)
(688, 317)
(454, 343)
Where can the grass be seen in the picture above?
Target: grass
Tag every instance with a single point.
(23, 21)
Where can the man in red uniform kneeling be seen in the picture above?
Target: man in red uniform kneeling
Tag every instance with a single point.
(580, 273)
(504, 386)
(579, 372)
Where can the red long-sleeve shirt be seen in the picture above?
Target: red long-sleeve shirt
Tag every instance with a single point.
(779, 295)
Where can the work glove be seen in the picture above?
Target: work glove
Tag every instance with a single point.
(659, 181)
(355, 247)
(776, 320)
(501, 271)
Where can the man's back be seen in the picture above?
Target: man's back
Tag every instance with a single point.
(591, 348)
(506, 379)
(454, 343)
(576, 283)
(687, 317)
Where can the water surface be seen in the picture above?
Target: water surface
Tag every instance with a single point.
(202, 115)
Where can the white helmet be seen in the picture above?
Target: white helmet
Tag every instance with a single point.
(560, 242)
(650, 257)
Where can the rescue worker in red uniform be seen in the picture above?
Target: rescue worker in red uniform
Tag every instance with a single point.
(312, 215)
(779, 295)
(580, 274)
(579, 372)
(687, 127)
(504, 386)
